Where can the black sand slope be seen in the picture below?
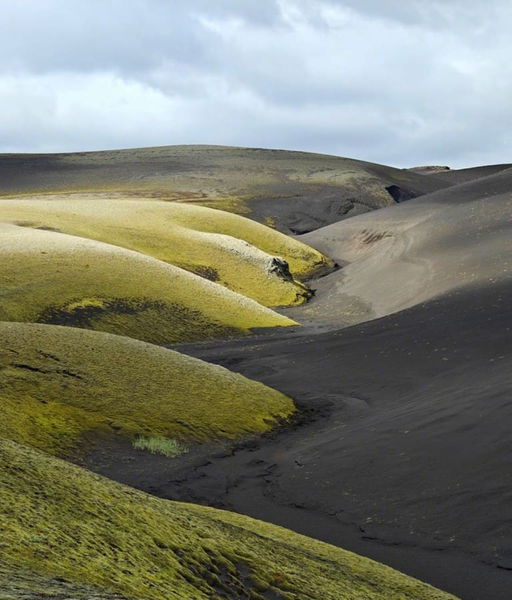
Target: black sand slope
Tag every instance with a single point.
(476, 182)
(293, 191)
(403, 255)
(404, 454)
(455, 176)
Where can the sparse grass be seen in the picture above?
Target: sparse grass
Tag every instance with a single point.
(160, 445)
(58, 383)
(63, 521)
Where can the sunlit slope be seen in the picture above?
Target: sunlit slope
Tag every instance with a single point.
(426, 248)
(236, 252)
(61, 520)
(57, 383)
(295, 191)
(50, 277)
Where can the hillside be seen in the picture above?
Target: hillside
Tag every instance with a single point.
(350, 383)
(293, 191)
(62, 388)
(426, 248)
(51, 277)
(242, 255)
(58, 519)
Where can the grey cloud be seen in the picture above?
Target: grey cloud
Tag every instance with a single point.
(122, 35)
(397, 83)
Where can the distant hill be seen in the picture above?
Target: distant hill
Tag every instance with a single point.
(292, 191)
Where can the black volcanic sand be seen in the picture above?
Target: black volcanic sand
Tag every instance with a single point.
(473, 183)
(401, 452)
(400, 256)
(456, 176)
(292, 191)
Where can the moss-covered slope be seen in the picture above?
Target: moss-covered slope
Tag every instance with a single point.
(49, 277)
(59, 383)
(231, 250)
(58, 519)
(24, 584)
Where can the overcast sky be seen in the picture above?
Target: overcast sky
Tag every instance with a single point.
(401, 82)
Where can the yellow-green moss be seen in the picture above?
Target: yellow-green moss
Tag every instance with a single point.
(232, 204)
(24, 584)
(57, 383)
(61, 520)
(50, 277)
(238, 251)
(270, 222)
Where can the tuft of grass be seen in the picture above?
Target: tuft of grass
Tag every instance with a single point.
(160, 445)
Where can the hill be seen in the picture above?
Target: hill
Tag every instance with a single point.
(50, 277)
(293, 191)
(61, 387)
(240, 254)
(398, 257)
(58, 519)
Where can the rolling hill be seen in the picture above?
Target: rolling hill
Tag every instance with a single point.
(426, 248)
(50, 277)
(293, 191)
(380, 425)
(60, 520)
(62, 388)
(240, 254)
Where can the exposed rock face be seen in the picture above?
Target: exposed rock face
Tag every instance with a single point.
(280, 267)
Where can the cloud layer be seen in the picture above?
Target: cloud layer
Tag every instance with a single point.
(399, 83)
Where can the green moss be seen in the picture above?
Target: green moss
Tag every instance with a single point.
(129, 316)
(230, 204)
(223, 247)
(58, 384)
(57, 278)
(60, 520)
(24, 584)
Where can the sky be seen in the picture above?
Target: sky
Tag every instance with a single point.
(402, 83)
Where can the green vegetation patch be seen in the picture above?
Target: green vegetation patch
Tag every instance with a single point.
(160, 445)
(58, 384)
(23, 584)
(60, 520)
(62, 279)
(226, 248)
